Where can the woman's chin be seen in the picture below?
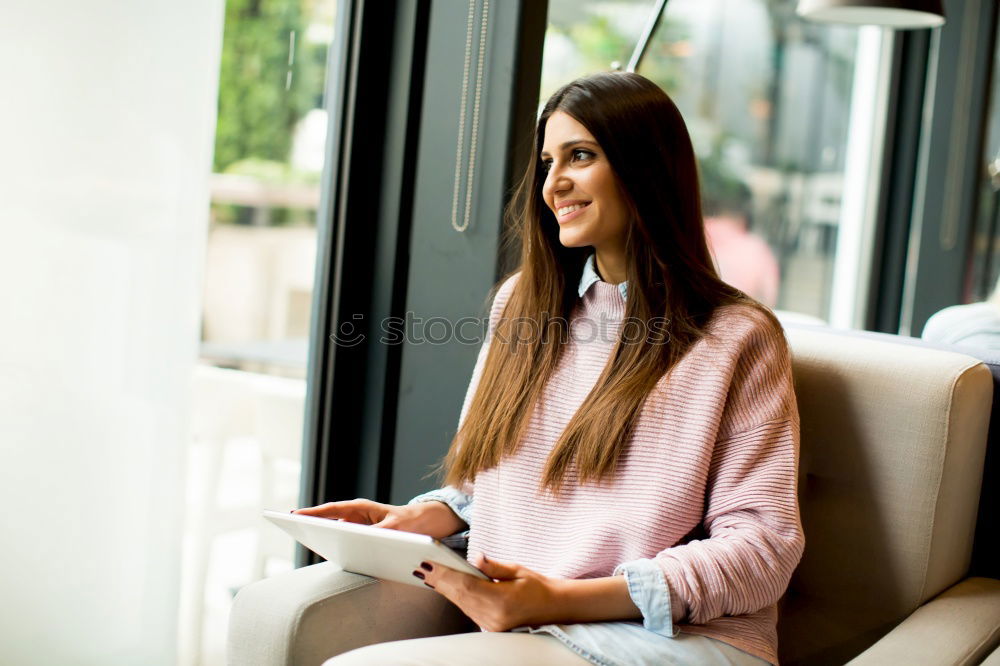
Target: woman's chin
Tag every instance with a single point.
(572, 238)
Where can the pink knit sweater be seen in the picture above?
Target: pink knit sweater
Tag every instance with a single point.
(707, 487)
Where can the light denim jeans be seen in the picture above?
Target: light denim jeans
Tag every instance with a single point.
(532, 649)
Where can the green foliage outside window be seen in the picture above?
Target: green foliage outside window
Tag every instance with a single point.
(258, 105)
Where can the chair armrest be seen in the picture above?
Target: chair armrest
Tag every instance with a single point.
(306, 616)
(959, 626)
(993, 659)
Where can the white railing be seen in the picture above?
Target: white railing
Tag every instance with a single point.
(244, 457)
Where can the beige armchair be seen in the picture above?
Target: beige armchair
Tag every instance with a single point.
(893, 443)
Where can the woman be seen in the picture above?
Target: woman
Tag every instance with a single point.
(627, 451)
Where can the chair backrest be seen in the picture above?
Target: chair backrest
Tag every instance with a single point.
(893, 442)
(986, 548)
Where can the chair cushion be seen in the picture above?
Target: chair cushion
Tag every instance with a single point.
(957, 628)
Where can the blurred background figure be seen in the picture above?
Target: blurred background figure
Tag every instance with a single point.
(743, 258)
(973, 325)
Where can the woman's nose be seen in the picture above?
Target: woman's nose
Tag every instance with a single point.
(557, 181)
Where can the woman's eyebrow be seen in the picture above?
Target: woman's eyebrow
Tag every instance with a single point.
(567, 144)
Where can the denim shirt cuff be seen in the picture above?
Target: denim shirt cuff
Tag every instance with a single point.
(648, 589)
(458, 501)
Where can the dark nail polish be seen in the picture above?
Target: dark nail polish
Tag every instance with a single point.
(426, 567)
(428, 585)
(418, 574)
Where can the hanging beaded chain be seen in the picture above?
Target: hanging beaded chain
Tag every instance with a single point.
(471, 170)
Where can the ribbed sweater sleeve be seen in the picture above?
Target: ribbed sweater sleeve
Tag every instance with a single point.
(755, 537)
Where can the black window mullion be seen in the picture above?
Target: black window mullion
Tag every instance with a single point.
(902, 138)
(363, 233)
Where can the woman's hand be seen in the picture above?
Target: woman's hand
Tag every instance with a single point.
(516, 597)
(434, 519)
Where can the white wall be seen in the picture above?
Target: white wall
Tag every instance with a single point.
(106, 134)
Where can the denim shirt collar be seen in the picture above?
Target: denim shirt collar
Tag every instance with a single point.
(590, 276)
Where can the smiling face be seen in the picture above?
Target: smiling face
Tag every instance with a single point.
(581, 189)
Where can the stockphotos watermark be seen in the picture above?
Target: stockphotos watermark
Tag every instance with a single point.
(414, 330)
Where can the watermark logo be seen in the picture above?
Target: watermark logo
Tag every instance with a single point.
(414, 330)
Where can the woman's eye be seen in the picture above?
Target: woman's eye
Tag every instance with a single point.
(586, 154)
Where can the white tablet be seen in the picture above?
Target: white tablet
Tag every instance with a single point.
(372, 551)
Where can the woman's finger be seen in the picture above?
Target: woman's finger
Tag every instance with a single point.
(390, 522)
(354, 511)
(431, 573)
(496, 569)
(322, 510)
(452, 584)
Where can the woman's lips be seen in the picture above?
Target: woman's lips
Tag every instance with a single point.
(570, 216)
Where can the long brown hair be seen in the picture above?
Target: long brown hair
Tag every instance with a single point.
(668, 269)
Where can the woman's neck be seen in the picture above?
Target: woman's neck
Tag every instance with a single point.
(610, 268)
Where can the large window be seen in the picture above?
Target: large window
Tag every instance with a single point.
(249, 386)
